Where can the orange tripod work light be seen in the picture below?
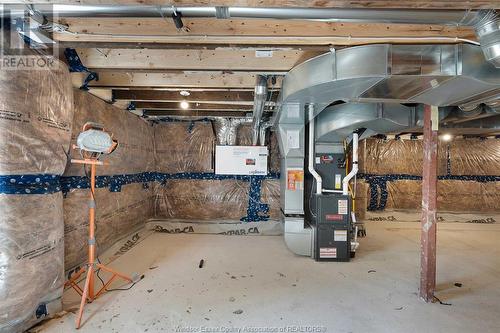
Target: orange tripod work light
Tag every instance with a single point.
(93, 142)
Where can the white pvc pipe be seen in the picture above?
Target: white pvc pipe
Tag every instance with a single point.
(312, 171)
(354, 171)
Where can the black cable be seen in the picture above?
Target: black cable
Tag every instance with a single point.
(128, 288)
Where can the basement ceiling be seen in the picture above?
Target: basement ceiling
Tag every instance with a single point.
(144, 62)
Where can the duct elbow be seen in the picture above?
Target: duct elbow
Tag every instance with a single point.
(227, 130)
(488, 34)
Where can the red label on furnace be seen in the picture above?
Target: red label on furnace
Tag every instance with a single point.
(333, 217)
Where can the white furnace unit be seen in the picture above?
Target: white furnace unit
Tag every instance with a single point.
(241, 160)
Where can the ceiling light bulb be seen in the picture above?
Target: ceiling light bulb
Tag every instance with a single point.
(184, 105)
(446, 137)
(185, 93)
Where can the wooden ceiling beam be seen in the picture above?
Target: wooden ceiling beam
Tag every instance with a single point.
(172, 79)
(206, 46)
(226, 59)
(193, 113)
(192, 106)
(152, 95)
(245, 32)
(249, 27)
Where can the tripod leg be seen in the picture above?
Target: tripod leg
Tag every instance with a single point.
(73, 283)
(75, 276)
(90, 271)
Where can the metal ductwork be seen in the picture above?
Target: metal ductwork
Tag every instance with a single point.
(227, 129)
(367, 87)
(337, 122)
(262, 132)
(488, 34)
(260, 96)
(417, 16)
(440, 75)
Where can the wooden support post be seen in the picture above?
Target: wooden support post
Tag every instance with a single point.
(429, 203)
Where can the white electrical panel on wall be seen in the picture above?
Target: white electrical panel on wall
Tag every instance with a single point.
(241, 160)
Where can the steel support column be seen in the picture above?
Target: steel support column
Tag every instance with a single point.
(429, 203)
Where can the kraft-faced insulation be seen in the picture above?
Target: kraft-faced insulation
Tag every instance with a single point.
(36, 111)
(117, 212)
(468, 175)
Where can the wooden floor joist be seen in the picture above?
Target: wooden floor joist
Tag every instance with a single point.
(226, 59)
(192, 106)
(158, 95)
(172, 79)
(219, 97)
(248, 31)
(193, 113)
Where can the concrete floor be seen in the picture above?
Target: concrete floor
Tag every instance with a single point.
(256, 282)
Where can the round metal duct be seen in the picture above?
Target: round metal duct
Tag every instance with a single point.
(488, 33)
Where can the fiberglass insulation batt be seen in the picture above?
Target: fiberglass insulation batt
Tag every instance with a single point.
(117, 213)
(466, 168)
(36, 111)
(188, 148)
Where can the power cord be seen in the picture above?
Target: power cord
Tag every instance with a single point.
(116, 289)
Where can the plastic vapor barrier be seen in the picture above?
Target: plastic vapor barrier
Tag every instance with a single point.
(468, 175)
(187, 148)
(361, 199)
(36, 111)
(453, 195)
(135, 153)
(184, 147)
(385, 157)
(475, 157)
(117, 213)
(220, 227)
(202, 199)
(271, 196)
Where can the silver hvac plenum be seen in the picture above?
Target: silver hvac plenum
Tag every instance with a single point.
(488, 34)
